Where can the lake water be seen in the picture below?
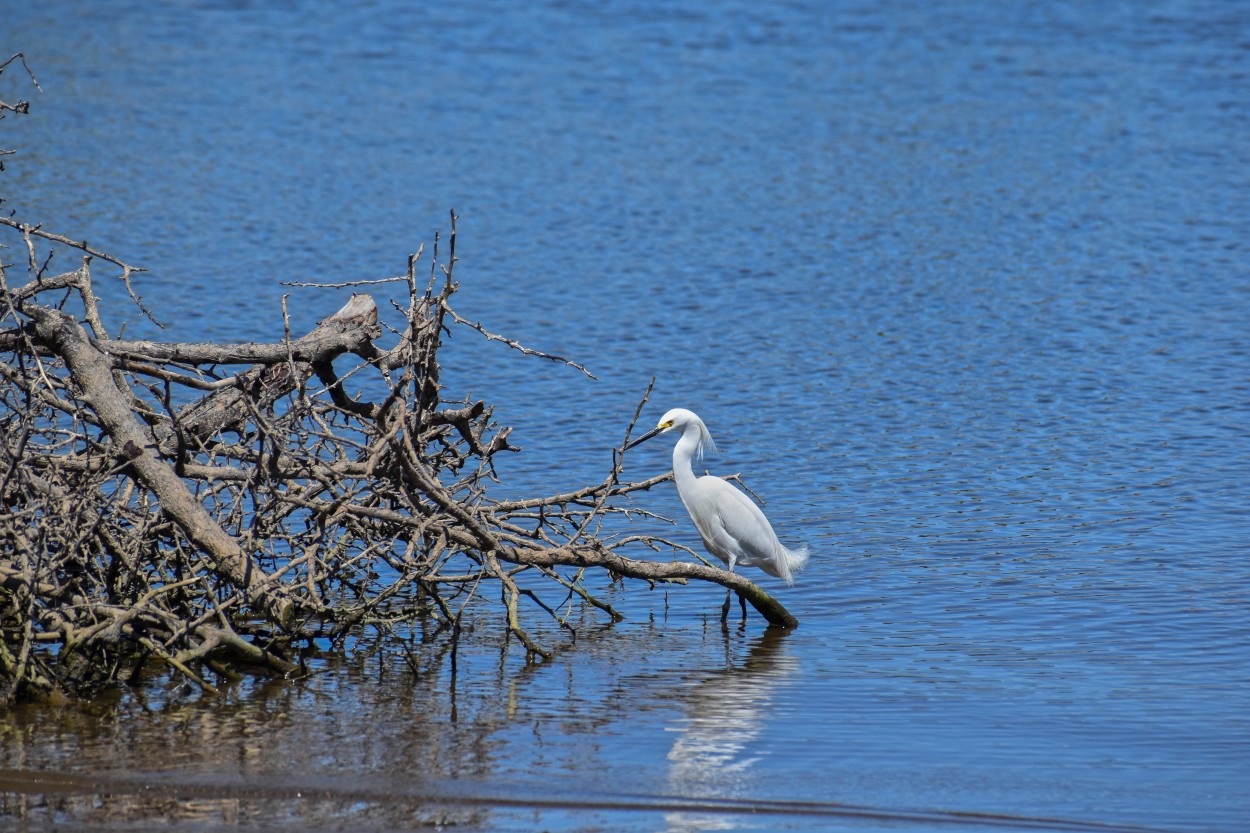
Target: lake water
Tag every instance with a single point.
(961, 289)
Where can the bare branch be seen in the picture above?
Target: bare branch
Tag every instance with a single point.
(515, 345)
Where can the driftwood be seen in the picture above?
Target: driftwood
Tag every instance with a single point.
(156, 506)
(215, 508)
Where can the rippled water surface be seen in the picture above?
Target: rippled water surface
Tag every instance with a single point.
(961, 289)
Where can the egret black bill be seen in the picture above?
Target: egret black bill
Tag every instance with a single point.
(656, 430)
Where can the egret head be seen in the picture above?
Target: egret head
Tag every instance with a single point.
(680, 420)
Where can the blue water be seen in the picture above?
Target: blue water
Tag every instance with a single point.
(961, 289)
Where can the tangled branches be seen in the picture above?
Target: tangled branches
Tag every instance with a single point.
(214, 507)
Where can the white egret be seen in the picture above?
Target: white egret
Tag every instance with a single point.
(732, 527)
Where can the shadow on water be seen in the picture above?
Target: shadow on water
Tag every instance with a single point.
(437, 804)
(382, 742)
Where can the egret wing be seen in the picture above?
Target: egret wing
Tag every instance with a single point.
(737, 524)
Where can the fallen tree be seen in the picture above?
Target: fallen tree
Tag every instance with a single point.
(214, 507)
(158, 505)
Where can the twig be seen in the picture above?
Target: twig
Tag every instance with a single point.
(515, 345)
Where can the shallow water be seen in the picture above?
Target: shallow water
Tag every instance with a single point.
(961, 291)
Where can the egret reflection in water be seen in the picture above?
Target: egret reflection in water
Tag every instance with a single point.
(712, 755)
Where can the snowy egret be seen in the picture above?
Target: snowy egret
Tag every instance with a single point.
(732, 527)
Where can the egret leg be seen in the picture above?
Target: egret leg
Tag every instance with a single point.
(724, 609)
(742, 602)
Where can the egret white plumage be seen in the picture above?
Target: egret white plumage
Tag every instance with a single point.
(732, 527)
